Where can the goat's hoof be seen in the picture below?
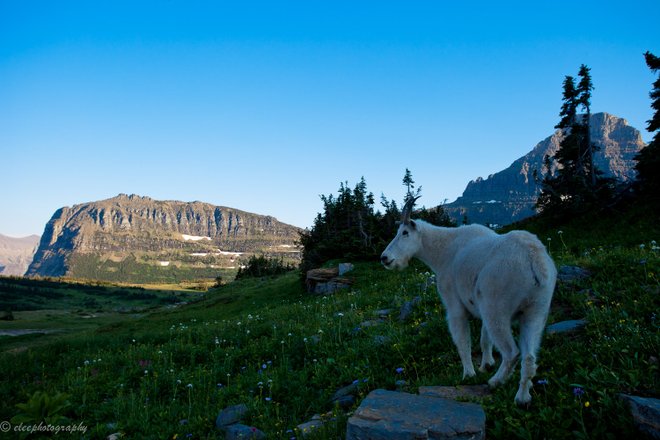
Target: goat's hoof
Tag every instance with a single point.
(486, 367)
(494, 383)
(523, 401)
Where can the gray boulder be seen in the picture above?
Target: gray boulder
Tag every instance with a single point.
(570, 274)
(646, 414)
(566, 326)
(230, 415)
(239, 431)
(392, 415)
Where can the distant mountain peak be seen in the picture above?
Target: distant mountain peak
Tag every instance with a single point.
(16, 254)
(509, 195)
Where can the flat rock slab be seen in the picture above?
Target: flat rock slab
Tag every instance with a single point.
(646, 413)
(467, 392)
(392, 415)
(566, 326)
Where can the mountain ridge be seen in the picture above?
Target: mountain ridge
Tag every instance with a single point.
(509, 195)
(125, 225)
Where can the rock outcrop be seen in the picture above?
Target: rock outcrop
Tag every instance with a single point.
(510, 195)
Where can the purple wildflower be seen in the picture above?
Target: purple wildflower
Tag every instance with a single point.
(399, 370)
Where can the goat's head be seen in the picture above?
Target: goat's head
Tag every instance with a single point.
(406, 243)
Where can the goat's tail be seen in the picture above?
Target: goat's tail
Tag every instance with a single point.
(542, 266)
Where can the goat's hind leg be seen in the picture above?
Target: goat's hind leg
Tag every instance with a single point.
(532, 323)
(499, 330)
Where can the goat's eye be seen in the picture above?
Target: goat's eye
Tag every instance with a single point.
(404, 233)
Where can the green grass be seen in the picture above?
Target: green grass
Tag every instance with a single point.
(56, 307)
(282, 352)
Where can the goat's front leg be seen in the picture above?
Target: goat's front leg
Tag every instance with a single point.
(460, 334)
(486, 350)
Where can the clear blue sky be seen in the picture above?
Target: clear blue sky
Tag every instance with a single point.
(263, 106)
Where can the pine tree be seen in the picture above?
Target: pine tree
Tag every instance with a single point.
(577, 184)
(409, 183)
(648, 159)
(584, 100)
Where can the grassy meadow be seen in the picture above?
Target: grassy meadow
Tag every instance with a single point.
(266, 343)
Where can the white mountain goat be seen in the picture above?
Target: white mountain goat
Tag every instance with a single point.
(493, 277)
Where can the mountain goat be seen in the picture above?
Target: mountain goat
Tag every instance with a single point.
(493, 277)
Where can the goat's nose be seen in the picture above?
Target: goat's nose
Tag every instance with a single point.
(384, 259)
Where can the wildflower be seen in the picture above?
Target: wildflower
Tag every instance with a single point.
(178, 381)
(264, 366)
(219, 385)
(340, 314)
(642, 246)
(560, 232)
(356, 381)
(86, 363)
(542, 382)
(578, 391)
(587, 404)
(268, 399)
(146, 372)
(399, 370)
(189, 385)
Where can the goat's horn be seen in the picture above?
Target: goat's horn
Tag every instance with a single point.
(407, 210)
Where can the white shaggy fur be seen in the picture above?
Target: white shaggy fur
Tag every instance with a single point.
(493, 277)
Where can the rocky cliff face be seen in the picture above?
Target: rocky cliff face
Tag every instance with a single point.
(510, 195)
(152, 229)
(16, 254)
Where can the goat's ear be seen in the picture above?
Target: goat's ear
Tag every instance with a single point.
(412, 224)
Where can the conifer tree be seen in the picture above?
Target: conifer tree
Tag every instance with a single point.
(577, 184)
(584, 100)
(648, 159)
